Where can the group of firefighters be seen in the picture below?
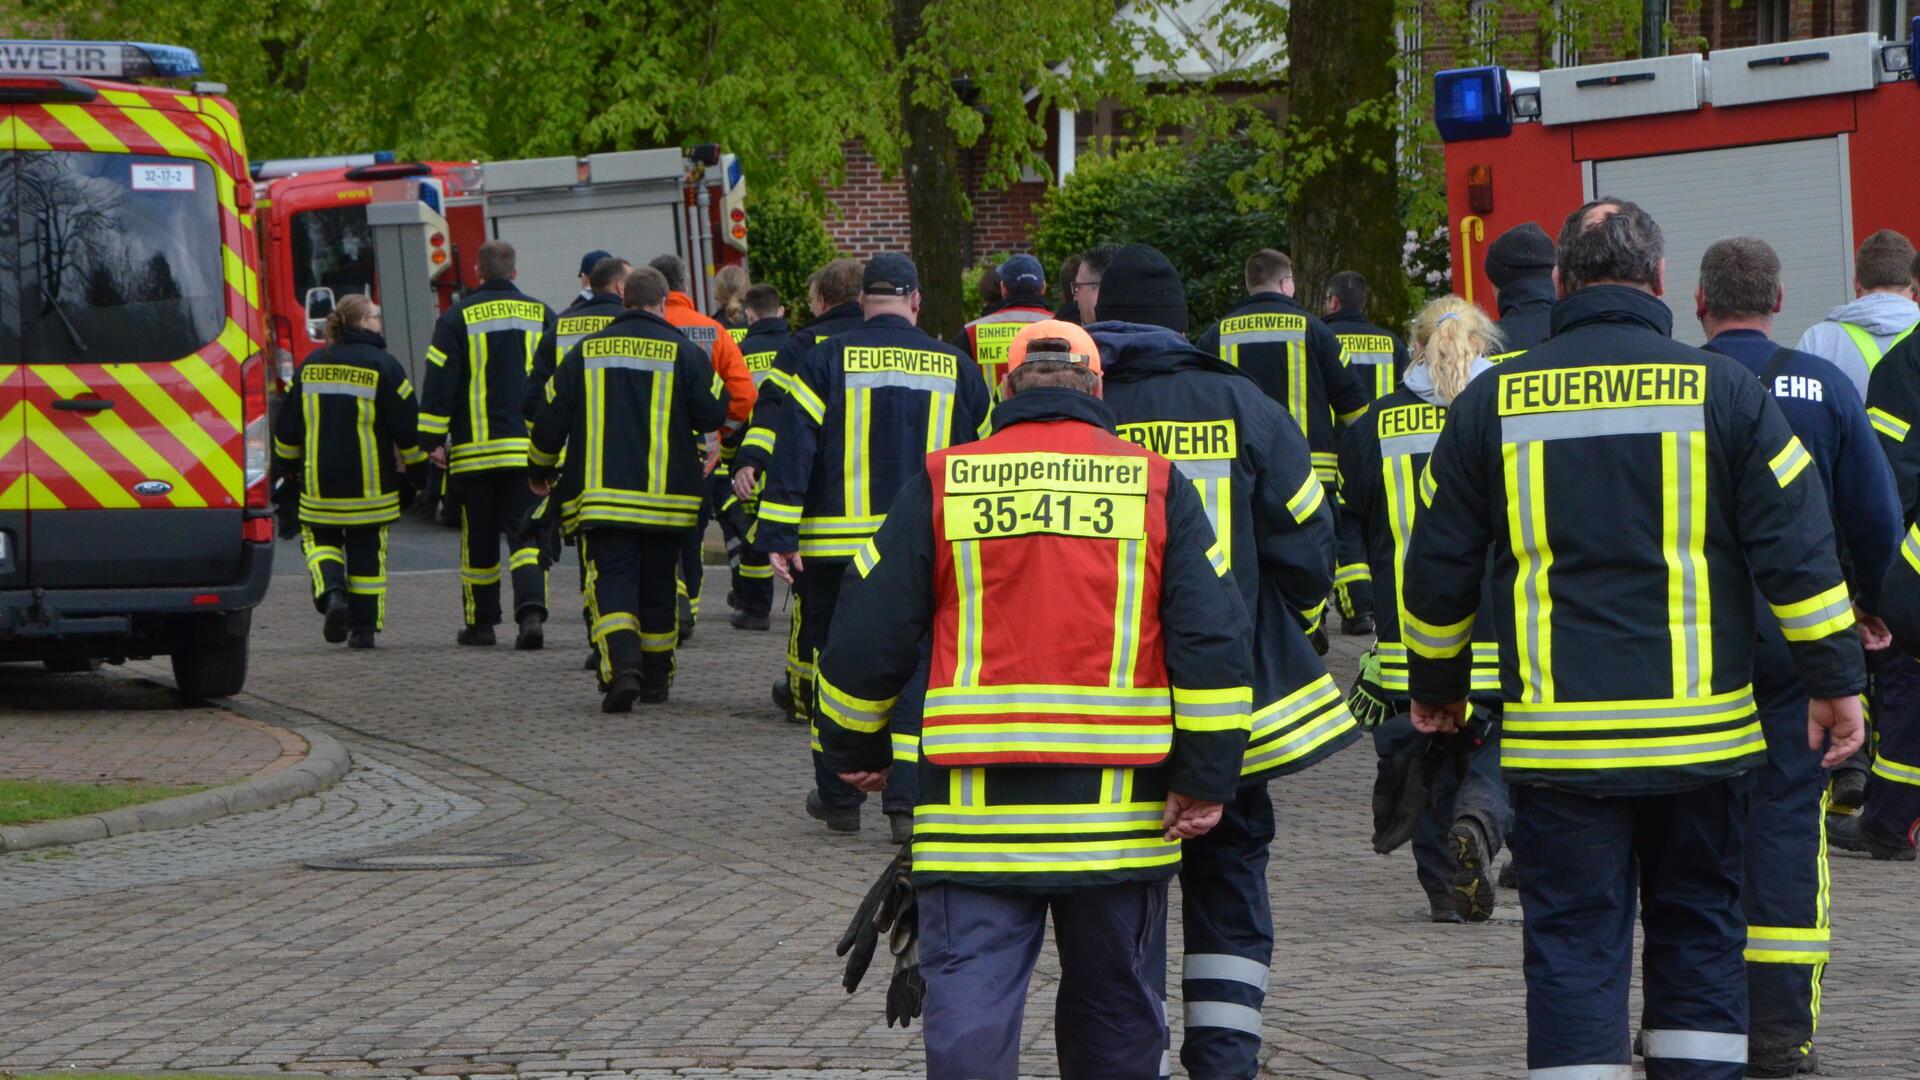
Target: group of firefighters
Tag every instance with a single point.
(1059, 588)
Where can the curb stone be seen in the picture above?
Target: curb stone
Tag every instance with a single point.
(326, 762)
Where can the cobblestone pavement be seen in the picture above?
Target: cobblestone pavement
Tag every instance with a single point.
(106, 728)
(685, 924)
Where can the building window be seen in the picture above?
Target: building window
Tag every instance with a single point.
(1483, 22)
(1771, 21)
(1566, 50)
(1888, 18)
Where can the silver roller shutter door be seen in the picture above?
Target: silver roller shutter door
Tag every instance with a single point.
(1792, 195)
(548, 246)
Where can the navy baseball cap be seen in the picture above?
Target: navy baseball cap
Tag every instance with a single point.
(1022, 271)
(889, 274)
(591, 257)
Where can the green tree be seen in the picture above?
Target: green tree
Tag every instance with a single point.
(789, 244)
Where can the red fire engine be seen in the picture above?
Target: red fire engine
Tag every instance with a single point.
(329, 226)
(1802, 143)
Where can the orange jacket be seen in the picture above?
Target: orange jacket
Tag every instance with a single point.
(719, 346)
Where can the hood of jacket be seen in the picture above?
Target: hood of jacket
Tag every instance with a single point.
(360, 335)
(1877, 313)
(1419, 379)
(1046, 403)
(1133, 351)
(1533, 292)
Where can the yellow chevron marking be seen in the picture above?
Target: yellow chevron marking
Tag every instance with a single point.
(29, 491)
(87, 128)
(16, 135)
(121, 436)
(234, 339)
(241, 277)
(173, 140)
(183, 427)
(218, 392)
(47, 438)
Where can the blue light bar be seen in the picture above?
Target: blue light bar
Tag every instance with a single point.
(1471, 103)
(99, 59)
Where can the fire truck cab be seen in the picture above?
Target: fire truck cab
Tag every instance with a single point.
(133, 429)
(1805, 144)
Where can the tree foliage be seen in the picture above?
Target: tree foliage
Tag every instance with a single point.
(789, 244)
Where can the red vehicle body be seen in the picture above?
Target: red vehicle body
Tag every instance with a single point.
(1812, 170)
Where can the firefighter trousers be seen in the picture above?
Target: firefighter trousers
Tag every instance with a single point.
(630, 598)
(1479, 793)
(1893, 790)
(1227, 939)
(1352, 579)
(1787, 895)
(1583, 861)
(977, 952)
(350, 559)
(752, 573)
(822, 595)
(493, 503)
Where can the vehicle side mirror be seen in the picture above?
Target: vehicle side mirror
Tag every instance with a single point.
(319, 303)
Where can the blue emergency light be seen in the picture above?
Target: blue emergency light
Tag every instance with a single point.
(1471, 103)
(99, 59)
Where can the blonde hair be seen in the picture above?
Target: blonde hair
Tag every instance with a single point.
(1449, 334)
(730, 286)
(350, 310)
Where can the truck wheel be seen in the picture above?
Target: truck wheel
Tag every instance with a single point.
(210, 656)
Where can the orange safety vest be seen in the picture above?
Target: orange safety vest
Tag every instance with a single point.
(1070, 672)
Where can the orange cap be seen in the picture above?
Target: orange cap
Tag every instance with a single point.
(1080, 347)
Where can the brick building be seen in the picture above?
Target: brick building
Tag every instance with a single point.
(871, 208)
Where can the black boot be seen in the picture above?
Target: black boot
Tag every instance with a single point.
(1846, 792)
(841, 819)
(360, 639)
(621, 693)
(533, 634)
(1852, 834)
(745, 620)
(334, 627)
(1473, 881)
(475, 635)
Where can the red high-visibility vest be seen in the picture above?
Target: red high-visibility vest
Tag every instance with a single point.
(1047, 648)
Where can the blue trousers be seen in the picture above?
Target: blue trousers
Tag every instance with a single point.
(977, 951)
(1581, 860)
(1227, 938)
(1787, 895)
(1893, 790)
(1480, 792)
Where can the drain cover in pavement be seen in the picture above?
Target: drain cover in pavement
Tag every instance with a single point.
(430, 860)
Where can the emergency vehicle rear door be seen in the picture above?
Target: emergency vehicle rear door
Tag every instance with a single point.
(132, 284)
(13, 423)
(1793, 195)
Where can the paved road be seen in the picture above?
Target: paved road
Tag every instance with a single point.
(685, 922)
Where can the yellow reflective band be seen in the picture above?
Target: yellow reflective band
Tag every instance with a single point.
(1311, 616)
(1910, 547)
(868, 558)
(1130, 572)
(522, 558)
(1306, 501)
(1217, 559)
(1524, 475)
(1326, 465)
(435, 356)
(412, 455)
(431, 424)
(1051, 857)
(1123, 815)
(488, 576)
(1791, 461)
(1349, 573)
(1888, 769)
(906, 747)
(809, 402)
(1683, 509)
(758, 438)
(1889, 425)
(1048, 699)
(286, 450)
(1432, 641)
(609, 624)
(1224, 709)
(662, 642)
(1828, 613)
(1350, 417)
(779, 513)
(541, 458)
(1632, 753)
(1788, 944)
(853, 713)
(1296, 725)
(1627, 715)
(1428, 486)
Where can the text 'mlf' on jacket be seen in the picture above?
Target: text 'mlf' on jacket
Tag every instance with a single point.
(1089, 652)
(1296, 359)
(485, 348)
(864, 409)
(1259, 491)
(349, 407)
(1627, 484)
(756, 448)
(625, 399)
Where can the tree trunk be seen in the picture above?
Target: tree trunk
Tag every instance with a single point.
(936, 202)
(1347, 217)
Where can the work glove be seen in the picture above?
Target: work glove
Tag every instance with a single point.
(876, 915)
(286, 505)
(1403, 790)
(908, 990)
(1367, 701)
(540, 530)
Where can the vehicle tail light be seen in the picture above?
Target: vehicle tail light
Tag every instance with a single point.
(253, 395)
(1480, 188)
(739, 214)
(257, 530)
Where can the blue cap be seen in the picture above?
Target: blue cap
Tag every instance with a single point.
(591, 257)
(889, 274)
(1022, 272)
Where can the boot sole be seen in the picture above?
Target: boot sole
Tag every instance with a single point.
(1476, 892)
(334, 629)
(620, 699)
(835, 824)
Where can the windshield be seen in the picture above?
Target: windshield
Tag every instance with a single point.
(332, 248)
(107, 258)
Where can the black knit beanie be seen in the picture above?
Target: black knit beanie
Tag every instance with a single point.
(1519, 252)
(1141, 286)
